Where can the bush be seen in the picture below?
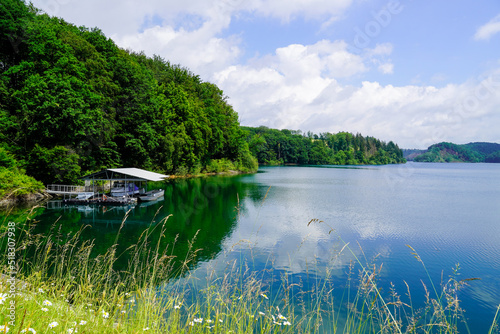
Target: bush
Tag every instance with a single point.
(219, 166)
(15, 183)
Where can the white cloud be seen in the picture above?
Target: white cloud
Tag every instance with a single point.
(198, 50)
(287, 10)
(386, 68)
(300, 88)
(486, 31)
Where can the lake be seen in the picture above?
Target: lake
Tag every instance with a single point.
(294, 221)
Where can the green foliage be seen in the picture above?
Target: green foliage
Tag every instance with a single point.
(272, 146)
(15, 183)
(13, 180)
(56, 165)
(63, 86)
(449, 152)
(493, 157)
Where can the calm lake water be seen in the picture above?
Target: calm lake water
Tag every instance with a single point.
(449, 213)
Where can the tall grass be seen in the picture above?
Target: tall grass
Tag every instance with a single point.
(61, 287)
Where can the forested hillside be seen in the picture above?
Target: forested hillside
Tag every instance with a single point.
(72, 101)
(272, 146)
(472, 152)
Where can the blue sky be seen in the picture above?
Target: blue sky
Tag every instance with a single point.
(415, 72)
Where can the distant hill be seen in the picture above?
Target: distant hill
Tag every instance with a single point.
(410, 154)
(449, 152)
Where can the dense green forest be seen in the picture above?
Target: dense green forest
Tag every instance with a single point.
(73, 102)
(272, 146)
(472, 152)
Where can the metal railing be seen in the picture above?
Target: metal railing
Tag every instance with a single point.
(67, 189)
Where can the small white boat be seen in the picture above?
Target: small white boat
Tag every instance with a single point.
(121, 189)
(152, 195)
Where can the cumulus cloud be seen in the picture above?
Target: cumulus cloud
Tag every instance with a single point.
(491, 28)
(300, 87)
(199, 50)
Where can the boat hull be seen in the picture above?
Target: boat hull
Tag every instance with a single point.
(152, 195)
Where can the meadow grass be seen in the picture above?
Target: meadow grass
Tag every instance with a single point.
(61, 287)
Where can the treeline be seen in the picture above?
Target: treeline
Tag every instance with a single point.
(272, 146)
(71, 101)
(450, 152)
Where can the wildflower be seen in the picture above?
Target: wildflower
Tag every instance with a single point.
(280, 317)
(191, 323)
(53, 324)
(220, 320)
(83, 322)
(26, 330)
(40, 290)
(287, 323)
(47, 303)
(262, 313)
(3, 297)
(105, 314)
(4, 329)
(209, 321)
(264, 295)
(72, 330)
(123, 311)
(177, 307)
(198, 320)
(44, 309)
(145, 329)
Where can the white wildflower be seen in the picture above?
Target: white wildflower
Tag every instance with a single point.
(26, 330)
(53, 324)
(47, 303)
(3, 297)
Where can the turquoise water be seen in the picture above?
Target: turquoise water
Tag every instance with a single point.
(449, 213)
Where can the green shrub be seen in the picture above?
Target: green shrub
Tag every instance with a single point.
(15, 183)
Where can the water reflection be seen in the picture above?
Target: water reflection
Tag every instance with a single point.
(202, 211)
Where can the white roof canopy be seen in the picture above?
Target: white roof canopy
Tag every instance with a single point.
(125, 174)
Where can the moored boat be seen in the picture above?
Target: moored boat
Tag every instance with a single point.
(152, 195)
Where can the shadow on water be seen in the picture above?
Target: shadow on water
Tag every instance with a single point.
(201, 211)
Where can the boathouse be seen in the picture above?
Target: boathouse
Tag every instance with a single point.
(130, 178)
